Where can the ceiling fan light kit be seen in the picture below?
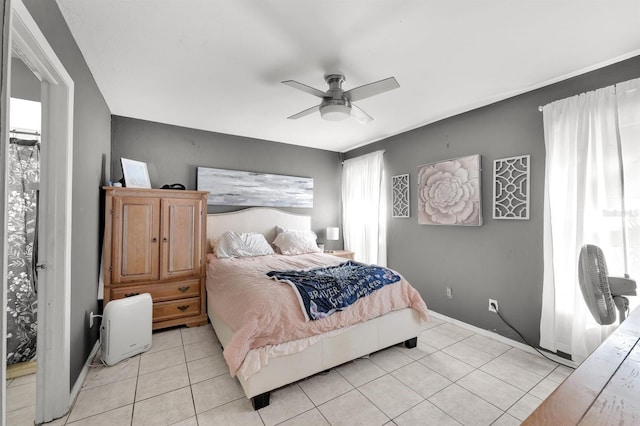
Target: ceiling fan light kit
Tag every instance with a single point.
(335, 111)
(336, 103)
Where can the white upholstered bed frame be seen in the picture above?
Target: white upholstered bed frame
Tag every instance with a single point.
(362, 339)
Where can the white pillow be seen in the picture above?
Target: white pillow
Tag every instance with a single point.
(236, 244)
(279, 230)
(296, 242)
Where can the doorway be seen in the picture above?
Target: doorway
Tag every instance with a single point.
(53, 393)
(23, 179)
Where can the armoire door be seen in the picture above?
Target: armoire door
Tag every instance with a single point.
(181, 238)
(136, 228)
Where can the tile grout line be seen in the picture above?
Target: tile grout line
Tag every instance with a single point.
(435, 405)
(527, 392)
(135, 393)
(193, 401)
(456, 381)
(497, 378)
(374, 404)
(390, 373)
(329, 400)
(479, 396)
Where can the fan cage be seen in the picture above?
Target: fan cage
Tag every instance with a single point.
(594, 283)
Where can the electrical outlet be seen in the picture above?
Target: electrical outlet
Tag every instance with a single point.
(493, 305)
(449, 293)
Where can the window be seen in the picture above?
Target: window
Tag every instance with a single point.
(592, 149)
(363, 208)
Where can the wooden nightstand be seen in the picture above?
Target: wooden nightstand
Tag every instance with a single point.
(342, 253)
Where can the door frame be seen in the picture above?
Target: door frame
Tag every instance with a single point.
(53, 379)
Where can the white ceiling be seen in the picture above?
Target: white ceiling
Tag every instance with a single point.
(217, 64)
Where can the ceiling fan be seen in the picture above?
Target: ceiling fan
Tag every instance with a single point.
(337, 104)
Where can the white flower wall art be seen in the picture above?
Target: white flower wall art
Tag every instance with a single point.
(449, 192)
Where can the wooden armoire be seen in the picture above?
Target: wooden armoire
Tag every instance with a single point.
(155, 242)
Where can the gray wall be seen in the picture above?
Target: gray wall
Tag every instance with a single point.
(173, 153)
(503, 259)
(91, 152)
(24, 84)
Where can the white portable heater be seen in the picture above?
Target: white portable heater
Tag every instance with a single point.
(126, 328)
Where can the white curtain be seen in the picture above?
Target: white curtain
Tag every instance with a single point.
(363, 208)
(592, 148)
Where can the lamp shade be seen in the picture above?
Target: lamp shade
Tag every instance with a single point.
(333, 233)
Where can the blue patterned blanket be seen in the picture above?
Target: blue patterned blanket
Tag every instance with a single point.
(323, 291)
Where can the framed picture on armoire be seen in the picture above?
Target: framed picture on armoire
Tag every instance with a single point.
(135, 173)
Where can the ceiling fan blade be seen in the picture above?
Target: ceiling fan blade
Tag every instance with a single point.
(305, 112)
(308, 89)
(371, 89)
(360, 115)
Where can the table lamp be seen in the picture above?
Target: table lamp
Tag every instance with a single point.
(333, 234)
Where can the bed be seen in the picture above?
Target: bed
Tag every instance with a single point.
(262, 365)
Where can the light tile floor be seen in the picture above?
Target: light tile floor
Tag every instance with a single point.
(453, 377)
(21, 400)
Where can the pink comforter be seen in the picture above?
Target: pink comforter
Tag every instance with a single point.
(261, 311)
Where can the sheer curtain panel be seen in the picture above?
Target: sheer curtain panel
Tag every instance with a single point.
(592, 149)
(363, 210)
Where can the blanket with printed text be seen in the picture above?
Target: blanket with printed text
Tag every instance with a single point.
(323, 291)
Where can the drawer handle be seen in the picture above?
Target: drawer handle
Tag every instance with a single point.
(131, 294)
(154, 239)
(183, 308)
(165, 239)
(184, 288)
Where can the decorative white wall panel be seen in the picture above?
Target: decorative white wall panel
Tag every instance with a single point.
(511, 188)
(400, 200)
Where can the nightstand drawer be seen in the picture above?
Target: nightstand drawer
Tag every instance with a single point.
(163, 311)
(160, 292)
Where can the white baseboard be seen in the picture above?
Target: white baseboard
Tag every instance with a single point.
(502, 339)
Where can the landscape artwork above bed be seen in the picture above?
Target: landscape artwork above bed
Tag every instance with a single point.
(449, 192)
(243, 188)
